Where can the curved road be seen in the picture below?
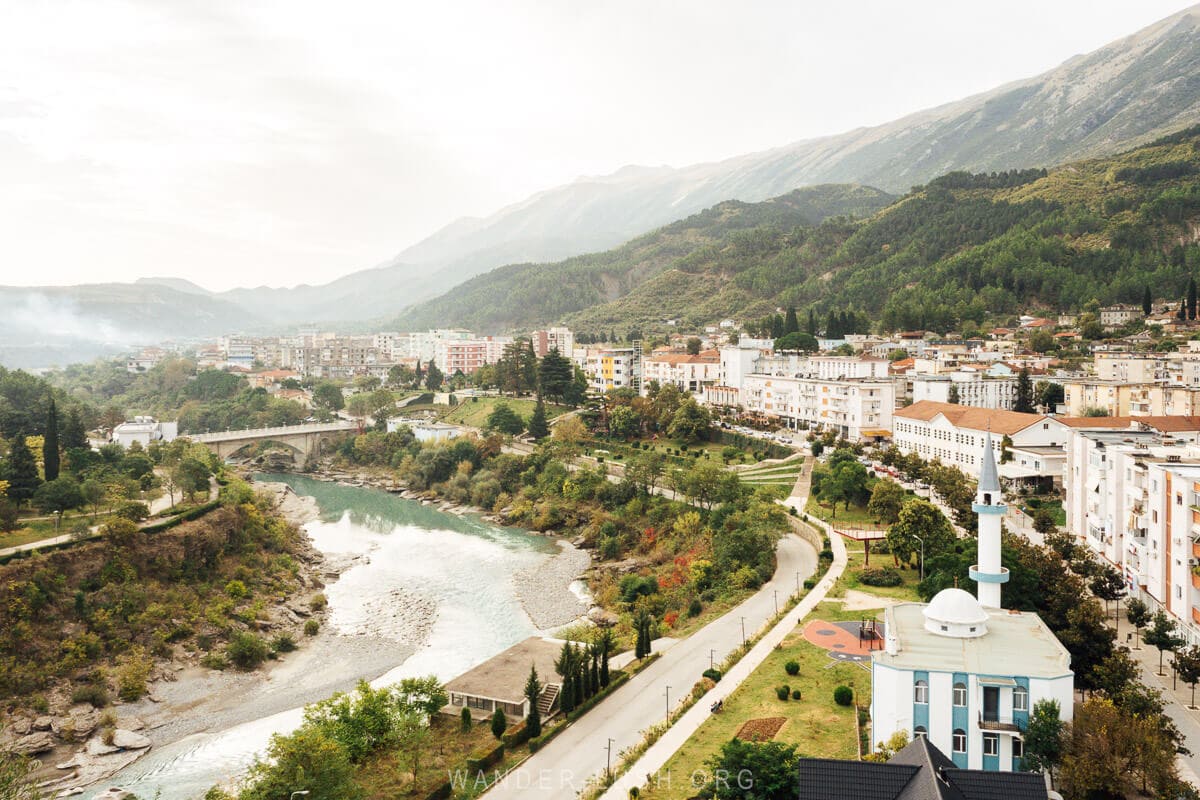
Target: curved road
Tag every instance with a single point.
(562, 767)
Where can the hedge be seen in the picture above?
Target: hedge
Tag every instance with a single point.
(179, 519)
(516, 735)
(482, 760)
(443, 792)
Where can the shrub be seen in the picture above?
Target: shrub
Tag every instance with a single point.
(318, 601)
(236, 589)
(311, 627)
(91, 693)
(792, 668)
(132, 675)
(713, 675)
(499, 723)
(246, 650)
(843, 695)
(795, 694)
(879, 576)
(810, 583)
(283, 643)
(783, 692)
(825, 555)
(695, 607)
(214, 660)
(464, 719)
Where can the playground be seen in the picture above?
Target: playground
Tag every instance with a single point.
(846, 641)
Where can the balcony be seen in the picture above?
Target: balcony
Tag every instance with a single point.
(989, 721)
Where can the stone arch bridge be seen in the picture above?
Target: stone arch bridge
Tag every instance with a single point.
(305, 439)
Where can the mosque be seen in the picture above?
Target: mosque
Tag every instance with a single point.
(962, 670)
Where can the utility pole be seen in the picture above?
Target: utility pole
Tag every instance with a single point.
(711, 655)
(608, 759)
(797, 584)
(668, 695)
(776, 591)
(743, 631)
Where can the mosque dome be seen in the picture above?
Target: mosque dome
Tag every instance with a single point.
(955, 613)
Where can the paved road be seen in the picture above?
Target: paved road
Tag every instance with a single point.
(561, 768)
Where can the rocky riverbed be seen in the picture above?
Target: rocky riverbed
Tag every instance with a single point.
(545, 592)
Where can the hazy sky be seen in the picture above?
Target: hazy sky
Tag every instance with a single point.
(243, 143)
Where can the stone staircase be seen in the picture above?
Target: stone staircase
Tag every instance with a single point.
(547, 699)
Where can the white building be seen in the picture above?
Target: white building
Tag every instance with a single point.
(688, 373)
(955, 434)
(963, 671)
(856, 408)
(144, 430)
(613, 368)
(972, 387)
(426, 431)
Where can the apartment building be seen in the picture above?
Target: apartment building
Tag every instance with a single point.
(973, 387)
(860, 409)
(613, 368)
(689, 373)
(559, 338)
(467, 355)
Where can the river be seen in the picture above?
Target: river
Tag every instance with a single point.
(461, 567)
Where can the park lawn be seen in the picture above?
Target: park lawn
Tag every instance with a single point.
(474, 411)
(854, 563)
(855, 515)
(818, 726)
(25, 536)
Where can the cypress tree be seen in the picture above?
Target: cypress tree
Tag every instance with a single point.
(74, 435)
(50, 443)
(1191, 298)
(533, 690)
(538, 428)
(812, 323)
(1147, 302)
(1024, 399)
(790, 323)
(831, 331)
(21, 472)
(565, 667)
(499, 723)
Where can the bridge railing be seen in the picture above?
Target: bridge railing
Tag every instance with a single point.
(282, 430)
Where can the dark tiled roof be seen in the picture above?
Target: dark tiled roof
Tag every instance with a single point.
(830, 779)
(918, 772)
(978, 784)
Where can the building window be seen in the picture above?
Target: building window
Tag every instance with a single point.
(991, 744)
(960, 695)
(921, 692)
(958, 742)
(1020, 699)
(1018, 747)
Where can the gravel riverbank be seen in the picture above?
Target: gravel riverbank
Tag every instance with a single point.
(545, 593)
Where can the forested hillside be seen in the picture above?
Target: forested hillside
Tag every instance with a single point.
(528, 294)
(957, 252)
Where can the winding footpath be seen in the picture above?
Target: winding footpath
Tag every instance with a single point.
(655, 758)
(582, 751)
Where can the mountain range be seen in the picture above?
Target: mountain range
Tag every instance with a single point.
(1124, 94)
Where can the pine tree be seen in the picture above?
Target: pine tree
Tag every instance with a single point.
(538, 428)
(1147, 302)
(565, 667)
(50, 462)
(533, 690)
(1024, 398)
(790, 323)
(21, 472)
(555, 374)
(74, 435)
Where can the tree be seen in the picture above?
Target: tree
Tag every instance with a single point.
(693, 346)
(790, 323)
(691, 421)
(21, 472)
(1191, 298)
(1049, 394)
(359, 406)
(58, 495)
(464, 720)
(1186, 664)
(952, 394)
(887, 498)
(1043, 523)
(1138, 614)
(753, 771)
(1113, 753)
(50, 454)
(433, 377)
(605, 643)
(93, 493)
(811, 327)
(329, 396)
(412, 735)
(624, 422)
(504, 420)
(1162, 634)
(569, 430)
(1147, 301)
(642, 622)
(309, 758)
(919, 521)
(192, 476)
(538, 428)
(400, 375)
(1108, 584)
(797, 341)
(566, 667)
(1024, 399)
(533, 691)
(555, 374)
(499, 723)
(1044, 737)
(645, 470)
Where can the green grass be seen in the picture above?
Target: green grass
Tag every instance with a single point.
(817, 725)
(1054, 506)
(474, 411)
(855, 562)
(26, 535)
(856, 515)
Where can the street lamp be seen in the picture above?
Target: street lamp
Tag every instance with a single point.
(922, 541)
(668, 696)
(711, 655)
(608, 760)
(776, 591)
(743, 631)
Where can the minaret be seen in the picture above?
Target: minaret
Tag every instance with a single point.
(989, 505)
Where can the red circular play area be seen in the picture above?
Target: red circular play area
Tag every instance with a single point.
(846, 641)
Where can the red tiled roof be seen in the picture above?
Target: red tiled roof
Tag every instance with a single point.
(980, 419)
